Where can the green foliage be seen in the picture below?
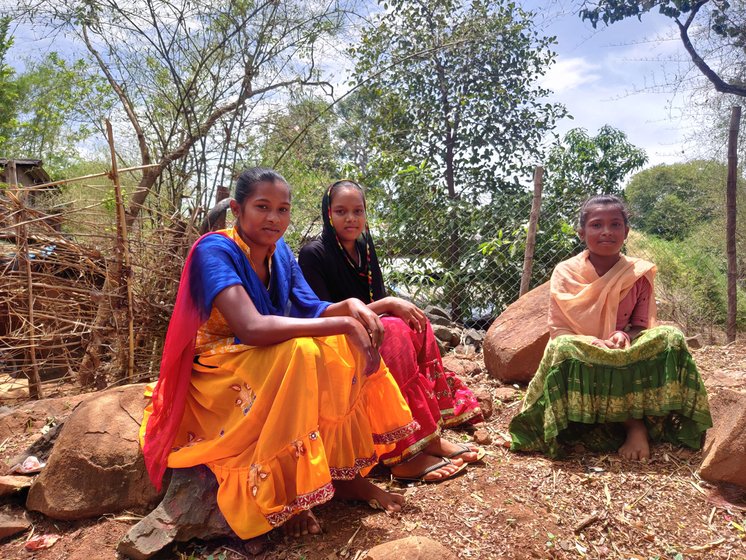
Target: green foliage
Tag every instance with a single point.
(580, 165)
(8, 86)
(297, 142)
(46, 114)
(691, 281)
(453, 119)
(671, 200)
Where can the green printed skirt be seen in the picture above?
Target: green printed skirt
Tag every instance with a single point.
(582, 393)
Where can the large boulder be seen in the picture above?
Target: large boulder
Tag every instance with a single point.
(516, 340)
(96, 466)
(724, 454)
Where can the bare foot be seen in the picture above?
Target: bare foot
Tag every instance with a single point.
(423, 461)
(636, 447)
(361, 489)
(303, 523)
(441, 447)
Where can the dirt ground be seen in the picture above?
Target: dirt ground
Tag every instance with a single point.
(513, 506)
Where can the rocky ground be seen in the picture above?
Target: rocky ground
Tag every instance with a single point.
(512, 506)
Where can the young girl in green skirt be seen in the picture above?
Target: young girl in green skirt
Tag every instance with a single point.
(609, 377)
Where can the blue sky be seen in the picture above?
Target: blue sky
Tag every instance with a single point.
(618, 75)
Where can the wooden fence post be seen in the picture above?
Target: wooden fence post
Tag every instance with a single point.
(528, 256)
(24, 262)
(730, 226)
(123, 262)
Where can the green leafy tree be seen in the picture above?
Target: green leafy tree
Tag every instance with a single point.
(713, 32)
(8, 87)
(298, 142)
(188, 76)
(670, 201)
(580, 165)
(51, 121)
(456, 85)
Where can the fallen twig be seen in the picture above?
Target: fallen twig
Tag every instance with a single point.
(586, 521)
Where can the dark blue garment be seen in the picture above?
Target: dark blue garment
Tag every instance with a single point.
(218, 263)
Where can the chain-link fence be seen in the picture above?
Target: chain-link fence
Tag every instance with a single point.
(83, 298)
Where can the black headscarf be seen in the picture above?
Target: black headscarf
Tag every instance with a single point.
(330, 271)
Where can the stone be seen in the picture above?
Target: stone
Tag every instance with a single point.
(724, 453)
(732, 379)
(695, 342)
(516, 340)
(438, 320)
(485, 402)
(443, 333)
(462, 367)
(189, 510)
(468, 351)
(42, 447)
(435, 311)
(12, 524)
(10, 484)
(443, 347)
(507, 394)
(32, 416)
(482, 436)
(96, 466)
(473, 336)
(455, 337)
(411, 548)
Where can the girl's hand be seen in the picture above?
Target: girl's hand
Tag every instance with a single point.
(360, 338)
(407, 312)
(368, 319)
(619, 340)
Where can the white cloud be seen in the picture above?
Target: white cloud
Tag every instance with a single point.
(569, 74)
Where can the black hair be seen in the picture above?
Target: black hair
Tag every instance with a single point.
(603, 200)
(344, 183)
(248, 180)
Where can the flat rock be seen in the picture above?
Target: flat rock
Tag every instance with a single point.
(10, 484)
(462, 367)
(34, 415)
(189, 510)
(435, 311)
(96, 466)
(507, 394)
(516, 340)
(733, 379)
(410, 548)
(11, 524)
(724, 454)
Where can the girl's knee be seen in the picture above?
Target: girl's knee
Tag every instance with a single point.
(304, 345)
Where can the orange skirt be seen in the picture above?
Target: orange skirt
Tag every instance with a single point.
(276, 424)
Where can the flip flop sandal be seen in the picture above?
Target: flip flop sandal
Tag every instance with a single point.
(445, 461)
(463, 448)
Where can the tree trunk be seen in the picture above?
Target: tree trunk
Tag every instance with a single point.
(730, 235)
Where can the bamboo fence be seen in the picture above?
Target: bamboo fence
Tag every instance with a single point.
(83, 299)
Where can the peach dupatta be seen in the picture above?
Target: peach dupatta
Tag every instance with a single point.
(582, 303)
